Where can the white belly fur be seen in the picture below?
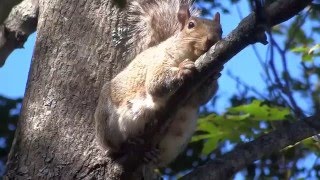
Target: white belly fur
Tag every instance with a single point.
(178, 135)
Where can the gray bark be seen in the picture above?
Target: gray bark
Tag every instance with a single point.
(80, 45)
(5, 8)
(14, 31)
(77, 50)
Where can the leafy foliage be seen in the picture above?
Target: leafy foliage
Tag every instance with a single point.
(238, 121)
(308, 54)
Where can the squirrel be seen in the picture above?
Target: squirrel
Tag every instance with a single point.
(169, 37)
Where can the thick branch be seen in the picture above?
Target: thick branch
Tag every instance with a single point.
(226, 166)
(249, 31)
(5, 8)
(21, 22)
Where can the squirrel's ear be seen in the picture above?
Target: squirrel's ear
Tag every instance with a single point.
(217, 18)
(183, 15)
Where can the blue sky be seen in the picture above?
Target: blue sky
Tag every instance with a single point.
(14, 74)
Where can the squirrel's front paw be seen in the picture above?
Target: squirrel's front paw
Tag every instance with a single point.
(186, 68)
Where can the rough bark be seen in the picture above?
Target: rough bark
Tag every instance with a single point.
(77, 50)
(79, 47)
(5, 8)
(14, 31)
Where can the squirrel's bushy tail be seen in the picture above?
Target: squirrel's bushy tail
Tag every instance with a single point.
(152, 22)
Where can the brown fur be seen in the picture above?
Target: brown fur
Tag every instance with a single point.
(149, 80)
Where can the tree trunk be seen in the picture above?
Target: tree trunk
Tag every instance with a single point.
(79, 46)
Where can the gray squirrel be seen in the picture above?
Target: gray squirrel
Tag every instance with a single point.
(169, 37)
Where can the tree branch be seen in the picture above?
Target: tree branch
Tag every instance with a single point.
(21, 22)
(227, 165)
(5, 8)
(249, 31)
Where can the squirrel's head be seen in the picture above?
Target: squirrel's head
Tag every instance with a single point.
(199, 34)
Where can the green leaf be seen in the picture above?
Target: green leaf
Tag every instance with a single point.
(206, 126)
(311, 144)
(239, 120)
(196, 138)
(259, 111)
(306, 58)
(237, 117)
(209, 146)
(300, 49)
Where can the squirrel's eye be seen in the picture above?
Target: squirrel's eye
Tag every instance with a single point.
(190, 25)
